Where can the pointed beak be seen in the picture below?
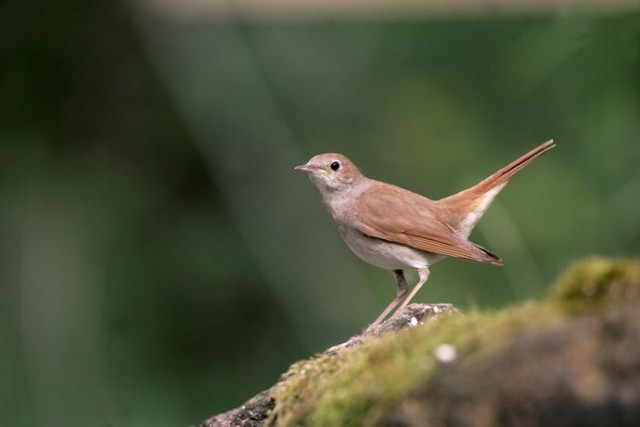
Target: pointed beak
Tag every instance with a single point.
(306, 168)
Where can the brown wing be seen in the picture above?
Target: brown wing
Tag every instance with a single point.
(396, 215)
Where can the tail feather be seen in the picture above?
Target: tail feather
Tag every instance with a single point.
(468, 206)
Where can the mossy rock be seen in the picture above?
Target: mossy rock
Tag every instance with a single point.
(570, 359)
(598, 283)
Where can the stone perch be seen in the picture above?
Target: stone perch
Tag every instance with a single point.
(572, 358)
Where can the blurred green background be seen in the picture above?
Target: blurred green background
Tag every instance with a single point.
(161, 259)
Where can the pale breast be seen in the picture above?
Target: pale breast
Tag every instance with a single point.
(387, 255)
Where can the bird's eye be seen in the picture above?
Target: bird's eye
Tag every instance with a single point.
(335, 166)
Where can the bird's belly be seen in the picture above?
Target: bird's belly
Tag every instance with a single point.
(387, 255)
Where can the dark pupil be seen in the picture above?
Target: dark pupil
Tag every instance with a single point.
(335, 166)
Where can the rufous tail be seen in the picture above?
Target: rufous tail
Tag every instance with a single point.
(467, 206)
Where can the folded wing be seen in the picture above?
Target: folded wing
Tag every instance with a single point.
(406, 218)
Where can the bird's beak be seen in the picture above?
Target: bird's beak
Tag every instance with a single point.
(306, 168)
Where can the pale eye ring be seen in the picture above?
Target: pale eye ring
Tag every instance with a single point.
(335, 165)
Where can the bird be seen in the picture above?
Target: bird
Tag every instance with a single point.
(398, 230)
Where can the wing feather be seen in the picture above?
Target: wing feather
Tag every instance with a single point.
(400, 216)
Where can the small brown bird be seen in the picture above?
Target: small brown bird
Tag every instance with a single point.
(396, 229)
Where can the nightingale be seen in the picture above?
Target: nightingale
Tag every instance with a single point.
(396, 229)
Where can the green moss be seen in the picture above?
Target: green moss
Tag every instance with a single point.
(597, 283)
(361, 385)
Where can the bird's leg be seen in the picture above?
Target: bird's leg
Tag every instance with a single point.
(401, 291)
(423, 275)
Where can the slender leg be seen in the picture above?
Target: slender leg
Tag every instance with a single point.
(401, 291)
(423, 274)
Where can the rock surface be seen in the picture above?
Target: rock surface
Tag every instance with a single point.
(570, 359)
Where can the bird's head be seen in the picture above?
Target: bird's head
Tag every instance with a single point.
(331, 172)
